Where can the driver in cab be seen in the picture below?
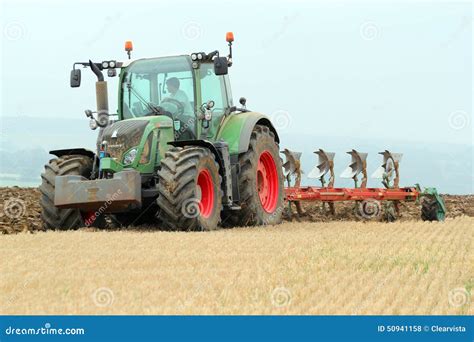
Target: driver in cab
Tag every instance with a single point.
(172, 85)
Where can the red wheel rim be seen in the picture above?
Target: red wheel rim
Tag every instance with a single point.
(267, 182)
(206, 202)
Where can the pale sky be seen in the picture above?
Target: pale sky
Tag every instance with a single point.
(395, 70)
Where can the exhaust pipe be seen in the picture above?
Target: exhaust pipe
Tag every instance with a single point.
(102, 97)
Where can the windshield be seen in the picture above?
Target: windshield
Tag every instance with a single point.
(159, 85)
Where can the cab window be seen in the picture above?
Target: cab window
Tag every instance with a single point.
(213, 89)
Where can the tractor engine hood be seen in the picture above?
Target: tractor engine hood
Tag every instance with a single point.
(121, 136)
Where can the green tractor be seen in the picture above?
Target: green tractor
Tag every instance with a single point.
(177, 153)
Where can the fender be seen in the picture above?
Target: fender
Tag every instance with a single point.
(237, 129)
(79, 151)
(223, 158)
(202, 143)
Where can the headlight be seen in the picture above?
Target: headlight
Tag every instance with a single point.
(199, 56)
(105, 65)
(193, 56)
(112, 64)
(129, 157)
(93, 124)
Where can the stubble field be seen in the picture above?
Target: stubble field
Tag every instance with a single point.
(339, 267)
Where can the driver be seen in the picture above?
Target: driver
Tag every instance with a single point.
(172, 85)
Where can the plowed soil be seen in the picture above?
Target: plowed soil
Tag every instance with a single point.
(20, 210)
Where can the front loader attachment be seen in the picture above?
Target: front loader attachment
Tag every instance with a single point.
(325, 165)
(358, 165)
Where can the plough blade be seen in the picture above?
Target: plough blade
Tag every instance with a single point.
(292, 160)
(388, 171)
(292, 165)
(388, 165)
(325, 165)
(358, 164)
(325, 159)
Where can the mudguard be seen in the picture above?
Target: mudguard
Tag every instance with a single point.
(70, 151)
(237, 129)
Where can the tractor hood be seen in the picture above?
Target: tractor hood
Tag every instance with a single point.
(121, 136)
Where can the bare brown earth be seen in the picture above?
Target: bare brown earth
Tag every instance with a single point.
(24, 210)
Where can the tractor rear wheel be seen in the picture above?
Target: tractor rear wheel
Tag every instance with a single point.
(260, 182)
(429, 209)
(189, 189)
(53, 217)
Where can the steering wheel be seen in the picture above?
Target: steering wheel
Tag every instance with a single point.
(178, 104)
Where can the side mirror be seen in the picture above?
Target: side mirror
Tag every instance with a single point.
(75, 78)
(243, 101)
(220, 66)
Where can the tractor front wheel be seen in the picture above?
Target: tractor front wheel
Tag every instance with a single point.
(53, 217)
(189, 189)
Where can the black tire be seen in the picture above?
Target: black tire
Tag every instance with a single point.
(429, 209)
(63, 219)
(252, 211)
(179, 195)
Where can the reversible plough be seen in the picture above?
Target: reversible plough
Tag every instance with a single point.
(369, 203)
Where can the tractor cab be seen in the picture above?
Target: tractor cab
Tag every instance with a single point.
(186, 90)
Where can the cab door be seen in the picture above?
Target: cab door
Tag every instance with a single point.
(214, 88)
